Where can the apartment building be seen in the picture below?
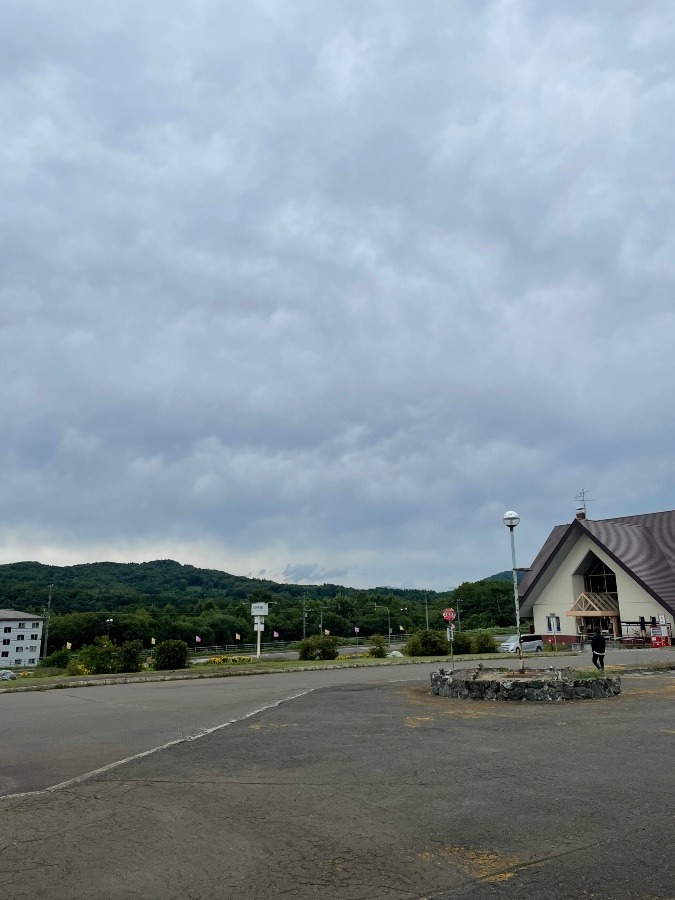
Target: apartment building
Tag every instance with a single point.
(20, 638)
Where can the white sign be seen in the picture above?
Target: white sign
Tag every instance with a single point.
(259, 609)
(259, 626)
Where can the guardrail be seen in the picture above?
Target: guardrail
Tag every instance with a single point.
(281, 646)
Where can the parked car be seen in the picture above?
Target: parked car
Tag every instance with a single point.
(532, 643)
(6, 675)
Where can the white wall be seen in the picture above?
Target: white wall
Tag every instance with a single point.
(18, 643)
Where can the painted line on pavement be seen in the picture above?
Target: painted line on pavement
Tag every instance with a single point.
(182, 740)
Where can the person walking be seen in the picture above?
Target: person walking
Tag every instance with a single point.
(598, 648)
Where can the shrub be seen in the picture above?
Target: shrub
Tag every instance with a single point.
(319, 646)
(99, 657)
(484, 643)
(379, 647)
(130, 657)
(428, 643)
(59, 659)
(171, 655)
(462, 643)
(76, 668)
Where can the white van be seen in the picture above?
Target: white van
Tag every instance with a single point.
(532, 643)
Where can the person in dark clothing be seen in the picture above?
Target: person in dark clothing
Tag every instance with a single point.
(598, 648)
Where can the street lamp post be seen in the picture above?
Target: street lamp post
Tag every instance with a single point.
(511, 519)
(108, 622)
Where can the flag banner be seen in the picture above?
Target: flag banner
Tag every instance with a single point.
(237, 637)
(326, 631)
(69, 646)
(356, 629)
(152, 641)
(275, 634)
(400, 627)
(198, 640)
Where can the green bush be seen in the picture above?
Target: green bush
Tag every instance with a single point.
(59, 659)
(462, 643)
(100, 658)
(428, 643)
(130, 657)
(319, 646)
(378, 649)
(483, 642)
(171, 655)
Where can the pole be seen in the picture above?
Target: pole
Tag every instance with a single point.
(257, 621)
(49, 609)
(426, 608)
(458, 625)
(515, 598)
(304, 616)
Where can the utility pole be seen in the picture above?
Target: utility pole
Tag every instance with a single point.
(49, 609)
(426, 608)
(304, 616)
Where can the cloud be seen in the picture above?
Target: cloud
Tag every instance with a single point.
(283, 283)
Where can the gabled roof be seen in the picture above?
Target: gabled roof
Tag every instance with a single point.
(644, 546)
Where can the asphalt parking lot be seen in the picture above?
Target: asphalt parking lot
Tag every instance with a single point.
(371, 789)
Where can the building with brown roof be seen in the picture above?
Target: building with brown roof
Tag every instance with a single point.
(616, 573)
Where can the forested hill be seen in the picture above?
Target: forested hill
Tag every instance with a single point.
(109, 586)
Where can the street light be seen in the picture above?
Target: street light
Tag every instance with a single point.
(108, 622)
(511, 519)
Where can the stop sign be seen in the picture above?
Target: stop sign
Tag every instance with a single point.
(449, 615)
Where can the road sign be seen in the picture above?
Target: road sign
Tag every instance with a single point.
(259, 609)
(449, 615)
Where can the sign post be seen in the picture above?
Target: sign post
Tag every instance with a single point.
(449, 616)
(259, 611)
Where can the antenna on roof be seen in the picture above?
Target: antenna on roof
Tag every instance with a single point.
(582, 499)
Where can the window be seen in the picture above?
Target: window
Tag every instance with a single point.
(21, 625)
(31, 662)
(553, 623)
(32, 649)
(8, 630)
(18, 662)
(5, 642)
(35, 625)
(4, 653)
(18, 649)
(34, 637)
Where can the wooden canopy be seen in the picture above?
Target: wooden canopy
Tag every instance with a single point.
(600, 605)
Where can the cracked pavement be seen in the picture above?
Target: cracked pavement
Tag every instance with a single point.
(369, 789)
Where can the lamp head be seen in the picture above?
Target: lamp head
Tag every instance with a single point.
(511, 518)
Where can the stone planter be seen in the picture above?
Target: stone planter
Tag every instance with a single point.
(485, 685)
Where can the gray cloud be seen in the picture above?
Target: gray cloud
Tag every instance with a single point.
(321, 291)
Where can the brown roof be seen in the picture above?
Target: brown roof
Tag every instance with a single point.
(644, 546)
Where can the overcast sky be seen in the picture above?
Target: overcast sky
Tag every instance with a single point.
(317, 291)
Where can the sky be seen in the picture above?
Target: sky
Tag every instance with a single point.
(316, 292)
